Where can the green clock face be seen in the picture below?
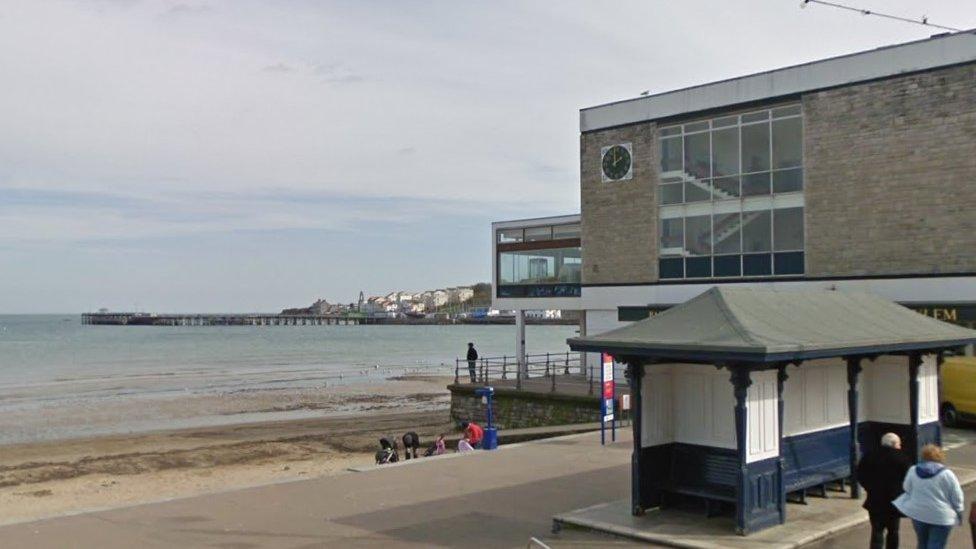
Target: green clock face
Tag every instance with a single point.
(616, 162)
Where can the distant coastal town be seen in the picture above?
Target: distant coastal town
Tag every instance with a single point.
(455, 302)
(458, 304)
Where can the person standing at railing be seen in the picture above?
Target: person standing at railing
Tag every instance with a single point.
(472, 362)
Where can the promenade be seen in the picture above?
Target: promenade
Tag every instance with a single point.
(483, 499)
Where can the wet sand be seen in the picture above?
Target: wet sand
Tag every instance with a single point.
(57, 477)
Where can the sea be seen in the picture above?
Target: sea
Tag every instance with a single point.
(53, 360)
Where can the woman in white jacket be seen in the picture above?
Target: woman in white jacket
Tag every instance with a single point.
(933, 499)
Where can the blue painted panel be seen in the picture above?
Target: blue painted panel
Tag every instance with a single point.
(654, 470)
(761, 496)
(929, 433)
(814, 458)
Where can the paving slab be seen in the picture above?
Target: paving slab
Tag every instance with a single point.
(820, 518)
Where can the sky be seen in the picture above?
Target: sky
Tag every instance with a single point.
(241, 156)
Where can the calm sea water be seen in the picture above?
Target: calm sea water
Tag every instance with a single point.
(52, 357)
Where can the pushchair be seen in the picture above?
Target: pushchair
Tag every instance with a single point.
(387, 452)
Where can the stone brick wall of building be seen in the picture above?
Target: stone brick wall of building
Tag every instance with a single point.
(891, 176)
(619, 235)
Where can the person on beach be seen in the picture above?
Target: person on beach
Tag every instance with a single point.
(472, 361)
(437, 448)
(473, 433)
(933, 499)
(411, 443)
(881, 473)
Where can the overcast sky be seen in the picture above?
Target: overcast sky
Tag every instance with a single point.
(249, 156)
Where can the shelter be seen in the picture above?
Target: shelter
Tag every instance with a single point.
(739, 393)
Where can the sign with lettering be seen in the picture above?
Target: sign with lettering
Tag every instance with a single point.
(606, 381)
(962, 314)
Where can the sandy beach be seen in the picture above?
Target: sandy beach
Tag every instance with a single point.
(340, 429)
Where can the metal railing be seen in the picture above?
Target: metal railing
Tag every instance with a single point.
(558, 369)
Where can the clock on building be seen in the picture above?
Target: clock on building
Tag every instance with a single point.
(617, 162)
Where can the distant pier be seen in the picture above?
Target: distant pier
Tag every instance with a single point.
(149, 319)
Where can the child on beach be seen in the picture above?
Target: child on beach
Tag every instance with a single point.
(437, 448)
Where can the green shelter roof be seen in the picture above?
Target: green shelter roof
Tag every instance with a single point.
(762, 325)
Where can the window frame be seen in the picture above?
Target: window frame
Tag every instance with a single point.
(678, 133)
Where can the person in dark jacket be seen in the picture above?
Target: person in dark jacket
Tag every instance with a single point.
(882, 473)
(411, 444)
(472, 361)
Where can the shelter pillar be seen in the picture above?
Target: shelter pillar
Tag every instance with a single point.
(523, 367)
(740, 383)
(939, 359)
(635, 378)
(582, 333)
(914, 362)
(781, 378)
(853, 370)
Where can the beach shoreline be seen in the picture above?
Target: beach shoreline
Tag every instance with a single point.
(340, 429)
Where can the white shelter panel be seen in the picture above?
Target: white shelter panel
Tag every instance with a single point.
(656, 405)
(928, 390)
(703, 406)
(815, 397)
(886, 387)
(762, 427)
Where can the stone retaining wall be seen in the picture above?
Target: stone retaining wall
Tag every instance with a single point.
(519, 409)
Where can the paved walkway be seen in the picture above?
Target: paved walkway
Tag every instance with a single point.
(805, 524)
(483, 499)
(960, 537)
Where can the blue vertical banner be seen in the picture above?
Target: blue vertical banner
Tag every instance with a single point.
(606, 397)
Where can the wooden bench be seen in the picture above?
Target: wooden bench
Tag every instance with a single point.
(704, 475)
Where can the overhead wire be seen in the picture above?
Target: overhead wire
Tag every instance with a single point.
(923, 21)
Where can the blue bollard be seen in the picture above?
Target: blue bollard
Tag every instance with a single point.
(490, 442)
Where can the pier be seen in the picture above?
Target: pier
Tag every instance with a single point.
(152, 319)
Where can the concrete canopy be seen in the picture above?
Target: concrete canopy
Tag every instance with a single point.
(745, 325)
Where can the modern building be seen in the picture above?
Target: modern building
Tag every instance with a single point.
(855, 172)
(536, 266)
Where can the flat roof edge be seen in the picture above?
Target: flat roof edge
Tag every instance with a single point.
(509, 223)
(888, 61)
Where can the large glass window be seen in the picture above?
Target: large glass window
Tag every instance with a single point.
(549, 266)
(511, 235)
(698, 235)
(752, 154)
(730, 196)
(535, 234)
(725, 152)
(566, 231)
(539, 261)
(672, 153)
(672, 236)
